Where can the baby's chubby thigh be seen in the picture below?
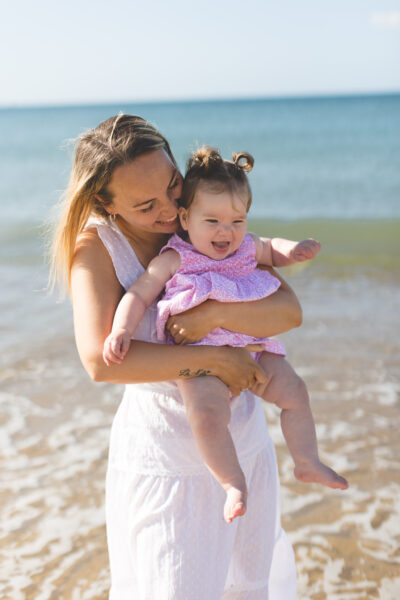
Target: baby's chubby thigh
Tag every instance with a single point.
(207, 404)
(284, 387)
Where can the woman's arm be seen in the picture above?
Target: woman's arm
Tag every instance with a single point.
(260, 318)
(272, 315)
(96, 292)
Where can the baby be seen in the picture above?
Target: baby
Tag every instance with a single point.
(214, 258)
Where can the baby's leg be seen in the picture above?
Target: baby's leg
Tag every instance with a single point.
(207, 405)
(288, 391)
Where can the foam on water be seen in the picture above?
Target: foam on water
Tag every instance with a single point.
(54, 446)
(53, 480)
(55, 423)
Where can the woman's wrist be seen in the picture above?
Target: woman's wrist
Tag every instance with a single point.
(213, 314)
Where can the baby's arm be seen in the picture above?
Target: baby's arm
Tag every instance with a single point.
(277, 252)
(134, 303)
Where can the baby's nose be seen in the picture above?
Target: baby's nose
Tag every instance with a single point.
(225, 228)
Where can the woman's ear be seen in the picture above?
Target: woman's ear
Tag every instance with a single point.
(107, 207)
(183, 217)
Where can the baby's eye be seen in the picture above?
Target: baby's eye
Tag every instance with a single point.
(238, 221)
(211, 220)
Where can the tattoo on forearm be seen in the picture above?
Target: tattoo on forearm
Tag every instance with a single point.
(198, 373)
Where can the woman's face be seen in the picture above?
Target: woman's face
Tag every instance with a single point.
(145, 193)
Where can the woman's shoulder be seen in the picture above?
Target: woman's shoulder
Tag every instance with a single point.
(89, 240)
(106, 241)
(90, 252)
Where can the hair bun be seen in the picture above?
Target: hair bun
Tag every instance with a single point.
(205, 158)
(243, 160)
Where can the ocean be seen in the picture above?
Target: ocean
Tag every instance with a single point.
(325, 167)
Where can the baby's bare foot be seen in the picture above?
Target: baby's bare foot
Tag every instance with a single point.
(235, 504)
(320, 473)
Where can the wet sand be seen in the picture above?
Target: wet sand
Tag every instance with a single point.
(55, 428)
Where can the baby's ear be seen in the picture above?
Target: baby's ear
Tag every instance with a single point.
(183, 217)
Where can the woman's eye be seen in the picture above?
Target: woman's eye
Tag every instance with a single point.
(147, 209)
(175, 183)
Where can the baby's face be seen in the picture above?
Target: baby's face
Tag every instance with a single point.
(216, 222)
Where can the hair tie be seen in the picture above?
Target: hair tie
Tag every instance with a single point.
(243, 161)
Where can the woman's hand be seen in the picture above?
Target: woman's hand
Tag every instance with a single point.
(193, 324)
(237, 369)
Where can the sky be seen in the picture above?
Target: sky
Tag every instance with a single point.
(100, 51)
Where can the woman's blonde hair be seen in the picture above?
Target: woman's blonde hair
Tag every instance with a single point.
(114, 142)
(206, 167)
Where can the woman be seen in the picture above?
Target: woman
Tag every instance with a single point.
(166, 537)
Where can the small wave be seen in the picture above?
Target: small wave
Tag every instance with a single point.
(21, 243)
(345, 243)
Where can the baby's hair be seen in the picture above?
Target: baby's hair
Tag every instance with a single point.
(207, 168)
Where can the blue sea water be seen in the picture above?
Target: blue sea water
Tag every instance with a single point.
(325, 158)
(326, 167)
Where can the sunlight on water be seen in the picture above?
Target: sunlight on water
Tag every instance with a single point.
(325, 168)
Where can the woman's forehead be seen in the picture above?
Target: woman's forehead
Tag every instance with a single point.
(143, 177)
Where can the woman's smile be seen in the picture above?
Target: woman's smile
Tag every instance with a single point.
(171, 222)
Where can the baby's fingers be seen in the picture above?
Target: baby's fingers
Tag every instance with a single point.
(109, 357)
(260, 377)
(254, 347)
(105, 358)
(125, 343)
(116, 348)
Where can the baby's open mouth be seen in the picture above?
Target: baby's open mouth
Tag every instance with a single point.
(221, 245)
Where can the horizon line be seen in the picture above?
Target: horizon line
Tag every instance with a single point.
(206, 99)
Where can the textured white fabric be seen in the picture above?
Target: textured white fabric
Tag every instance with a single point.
(166, 534)
(168, 540)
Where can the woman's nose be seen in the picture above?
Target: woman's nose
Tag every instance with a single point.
(169, 200)
(168, 207)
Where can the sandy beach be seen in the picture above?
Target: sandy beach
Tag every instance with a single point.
(324, 168)
(55, 435)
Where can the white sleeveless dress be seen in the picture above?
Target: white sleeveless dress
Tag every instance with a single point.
(166, 535)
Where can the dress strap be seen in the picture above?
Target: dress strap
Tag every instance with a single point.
(248, 247)
(126, 264)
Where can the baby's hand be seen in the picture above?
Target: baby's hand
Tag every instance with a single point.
(116, 346)
(305, 250)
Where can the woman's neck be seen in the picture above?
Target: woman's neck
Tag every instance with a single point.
(145, 244)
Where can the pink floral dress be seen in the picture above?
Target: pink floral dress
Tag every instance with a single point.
(233, 279)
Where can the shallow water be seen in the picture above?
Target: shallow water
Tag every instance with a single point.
(55, 435)
(326, 168)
